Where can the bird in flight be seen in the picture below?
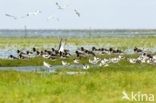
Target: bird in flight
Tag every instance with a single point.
(53, 18)
(77, 13)
(34, 13)
(58, 5)
(11, 16)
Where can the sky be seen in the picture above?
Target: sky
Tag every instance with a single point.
(94, 14)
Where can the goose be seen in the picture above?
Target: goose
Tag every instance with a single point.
(12, 57)
(137, 50)
(85, 67)
(79, 53)
(21, 56)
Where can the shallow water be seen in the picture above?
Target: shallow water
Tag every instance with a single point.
(75, 33)
(39, 68)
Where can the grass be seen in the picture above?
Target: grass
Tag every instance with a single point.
(120, 42)
(100, 85)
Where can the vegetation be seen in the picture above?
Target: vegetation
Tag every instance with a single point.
(120, 42)
(99, 85)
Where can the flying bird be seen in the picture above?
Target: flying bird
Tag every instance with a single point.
(54, 18)
(77, 13)
(8, 15)
(58, 5)
(34, 13)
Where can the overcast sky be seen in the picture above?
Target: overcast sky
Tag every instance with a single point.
(97, 14)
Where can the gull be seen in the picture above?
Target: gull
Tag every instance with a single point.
(106, 65)
(65, 63)
(77, 13)
(46, 64)
(102, 64)
(154, 57)
(85, 67)
(48, 67)
(8, 15)
(149, 61)
(34, 13)
(58, 5)
(96, 59)
(132, 61)
(115, 60)
(54, 18)
(93, 61)
(76, 61)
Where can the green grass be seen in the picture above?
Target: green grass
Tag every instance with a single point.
(120, 42)
(100, 85)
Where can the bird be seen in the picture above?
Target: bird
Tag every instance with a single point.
(58, 5)
(11, 16)
(76, 61)
(52, 17)
(12, 57)
(34, 13)
(61, 46)
(85, 67)
(77, 13)
(132, 61)
(65, 63)
(47, 65)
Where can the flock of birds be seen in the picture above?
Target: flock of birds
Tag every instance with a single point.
(37, 12)
(93, 55)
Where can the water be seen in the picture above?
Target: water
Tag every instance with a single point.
(53, 69)
(75, 33)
